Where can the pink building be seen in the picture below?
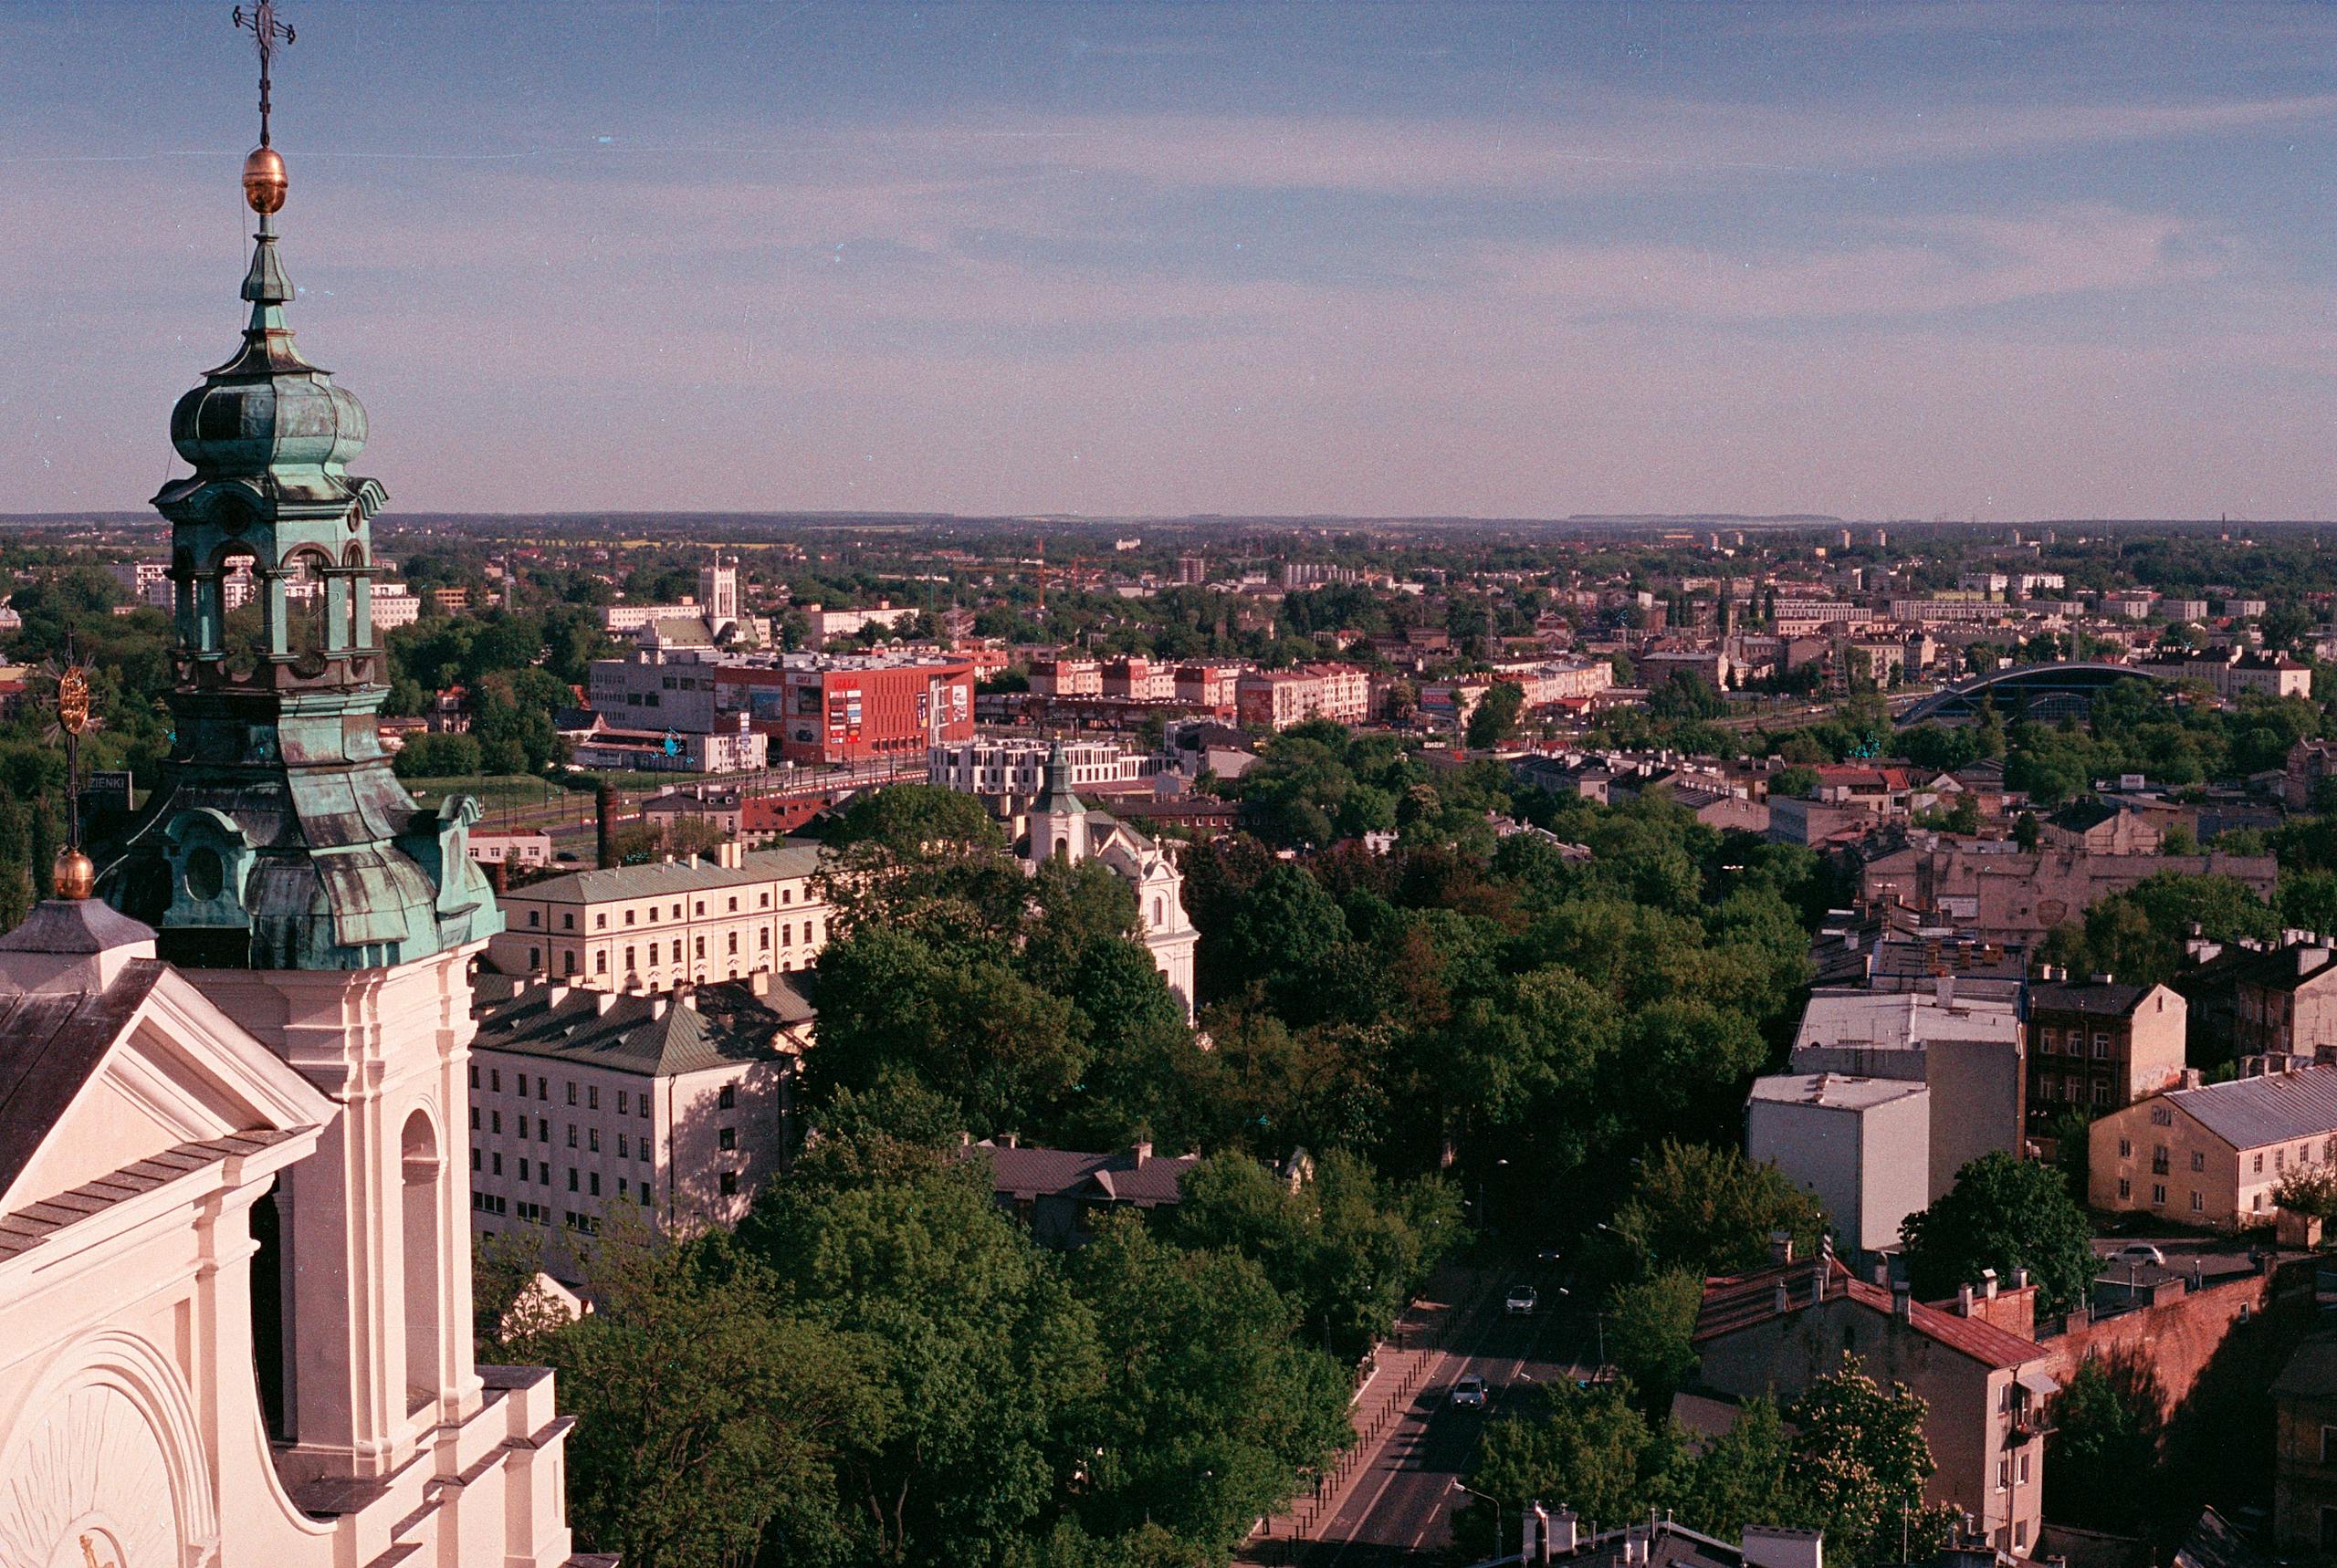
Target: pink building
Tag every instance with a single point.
(1207, 685)
(1277, 700)
(1067, 677)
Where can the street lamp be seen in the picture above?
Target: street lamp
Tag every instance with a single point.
(1460, 1484)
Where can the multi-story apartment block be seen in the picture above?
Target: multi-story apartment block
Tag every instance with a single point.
(1983, 1376)
(1017, 765)
(1277, 700)
(2212, 1156)
(1066, 678)
(394, 605)
(826, 626)
(2286, 1002)
(581, 1100)
(1207, 685)
(1137, 679)
(2098, 1046)
(676, 923)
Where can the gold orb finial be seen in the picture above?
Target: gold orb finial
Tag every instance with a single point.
(76, 875)
(264, 181)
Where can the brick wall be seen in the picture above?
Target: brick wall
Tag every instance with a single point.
(2178, 1335)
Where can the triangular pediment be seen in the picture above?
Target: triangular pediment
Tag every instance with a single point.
(98, 1081)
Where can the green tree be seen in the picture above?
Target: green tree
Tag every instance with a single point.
(1651, 1325)
(1710, 1210)
(2003, 1213)
(704, 1418)
(1494, 719)
(2107, 1424)
(1798, 782)
(1588, 1447)
(1861, 1462)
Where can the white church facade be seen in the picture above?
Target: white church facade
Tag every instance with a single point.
(1063, 826)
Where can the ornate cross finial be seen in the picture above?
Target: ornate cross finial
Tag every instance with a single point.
(73, 876)
(261, 23)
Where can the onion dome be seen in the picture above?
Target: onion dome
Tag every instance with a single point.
(267, 410)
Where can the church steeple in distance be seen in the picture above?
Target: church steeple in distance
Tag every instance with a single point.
(278, 837)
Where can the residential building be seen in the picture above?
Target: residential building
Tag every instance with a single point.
(530, 849)
(2014, 896)
(822, 626)
(1016, 766)
(1198, 685)
(2097, 1046)
(1277, 700)
(2104, 828)
(1967, 1049)
(1133, 678)
(2286, 1001)
(2304, 1451)
(738, 749)
(394, 605)
(676, 1103)
(2212, 1156)
(1063, 827)
(1064, 676)
(1861, 1146)
(660, 926)
(1775, 1331)
(1060, 1194)
(1192, 571)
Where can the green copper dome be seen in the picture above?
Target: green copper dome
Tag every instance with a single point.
(278, 838)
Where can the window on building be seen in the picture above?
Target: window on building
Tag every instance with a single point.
(2158, 1195)
(543, 1172)
(474, 1156)
(622, 1098)
(571, 1093)
(568, 963)
(728, 1096)
(2198, 1203)
(2198, 1160)
(763, 938)
(786, 935)
(473, 1074)
(601, 963)
(729, 1184)
(644, 1105)
(474, 1118)
(568, 920)
(2100, 1044)
(593, 1139)
(2329, 1445)
(571, 1178)
(495, 1121)
(2161, 1117)
(2125, 1148)
(600, 921)
(701, 948)
(2260, 1164)
(734, 905)
(764, 902)
(2125, 1187)
(571, 1134)
(494, 1082)
(592, 1097)
(652, 953)
(594, 1185)
(734, 943)
(727, 1138)
(535, 958)
(628, 915)
(495, 1163)
(534, 919)
(625, 1146)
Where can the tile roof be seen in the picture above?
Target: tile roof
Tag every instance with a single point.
(50, 1044)
(657, 880)
(2249, 1113)
(28, 1227)
(2112, 1000)
(1735, 1302)
(656, 1036)
(1023, 1170)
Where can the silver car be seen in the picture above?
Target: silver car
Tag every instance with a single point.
(1469, 1392)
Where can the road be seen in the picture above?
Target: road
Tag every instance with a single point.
(1399, 1513)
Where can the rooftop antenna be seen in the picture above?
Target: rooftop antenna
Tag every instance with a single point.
(259, 20)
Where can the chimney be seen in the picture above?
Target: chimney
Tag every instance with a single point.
(1143, 1151)
(1902, 1301)
(1564, 1530)
(2020, 1279)
(1784, 1298)
(1883, 1274)
(1988, 1283)
(604, 806)
(1962, 1300)
(1817, 1287)
(1944, 989)
(657, 1006)
(1780, 1245)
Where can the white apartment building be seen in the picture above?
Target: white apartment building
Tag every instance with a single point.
(676, 923)
(581, 1100)
(1017, 765)
(1861, 1146)
(393, 605)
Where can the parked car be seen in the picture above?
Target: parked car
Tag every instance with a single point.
(1469, 1392)
(1522, 1300)
(2140, 1253)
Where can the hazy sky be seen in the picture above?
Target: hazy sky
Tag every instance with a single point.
(1894, 260)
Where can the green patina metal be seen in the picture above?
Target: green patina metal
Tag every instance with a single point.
(279, 838)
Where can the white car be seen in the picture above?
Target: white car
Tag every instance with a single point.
(1469, 1392)
(2140, 1253)
(1522, 1300)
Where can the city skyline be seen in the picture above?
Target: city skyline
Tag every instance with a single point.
(1506, 262)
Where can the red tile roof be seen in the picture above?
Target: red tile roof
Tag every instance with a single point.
(1735, 1302)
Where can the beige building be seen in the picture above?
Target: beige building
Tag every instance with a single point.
(2212, 1156)
(1775, 1331)
(1277, 700)
(2097, 1046)
(676, 923)
(581, 1100)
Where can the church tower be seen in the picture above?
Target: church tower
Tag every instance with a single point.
(288, 874)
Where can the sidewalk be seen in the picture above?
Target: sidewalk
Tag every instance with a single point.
(1410, 1358)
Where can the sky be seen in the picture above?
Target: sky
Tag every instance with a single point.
(1888, 261)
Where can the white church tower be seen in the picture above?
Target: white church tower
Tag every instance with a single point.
(235, 1239)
